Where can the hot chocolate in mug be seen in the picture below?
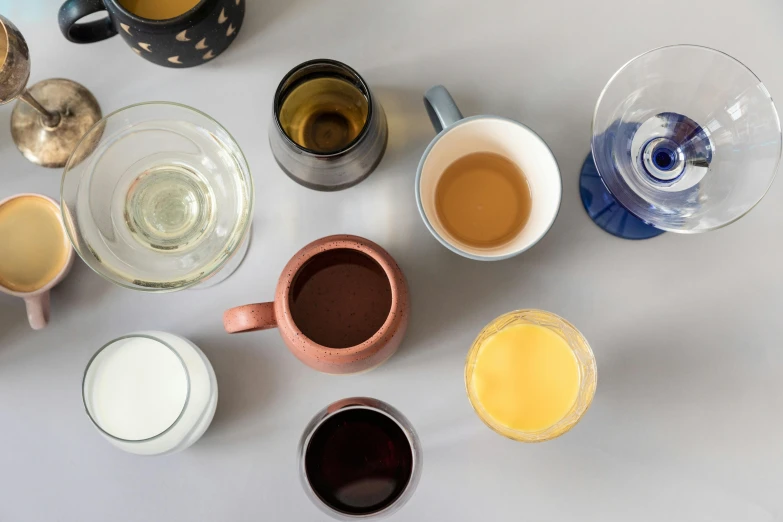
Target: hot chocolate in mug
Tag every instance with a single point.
(341, 306)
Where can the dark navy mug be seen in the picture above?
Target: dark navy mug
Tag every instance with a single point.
(191, 38)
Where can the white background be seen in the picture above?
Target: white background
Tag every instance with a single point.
(687, 422)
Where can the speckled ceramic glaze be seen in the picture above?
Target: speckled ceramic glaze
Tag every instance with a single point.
(365, 356)
(190, 39)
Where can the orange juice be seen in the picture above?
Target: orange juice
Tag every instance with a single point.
(530, 375)
(526, 377)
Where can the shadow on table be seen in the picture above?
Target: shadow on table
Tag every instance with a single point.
(651, 367)
(410, 130)
(452, 293)
(13, 319)
(677, 381)
(246, 381)
(449, 292)
(75, 296)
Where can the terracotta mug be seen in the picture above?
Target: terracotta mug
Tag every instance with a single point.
(37, 297)
(341, 306)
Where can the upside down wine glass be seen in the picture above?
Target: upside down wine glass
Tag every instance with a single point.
(51, 116)
(685, 139)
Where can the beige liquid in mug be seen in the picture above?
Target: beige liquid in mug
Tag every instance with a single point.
(483, 200)
(33, 248)
(324, 114)
(158, 9)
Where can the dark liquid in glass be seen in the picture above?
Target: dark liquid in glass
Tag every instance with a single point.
(359, 461)
(340, 298)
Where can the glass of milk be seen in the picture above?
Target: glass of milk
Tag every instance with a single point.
(150, 393)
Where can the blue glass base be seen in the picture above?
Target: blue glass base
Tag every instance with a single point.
(605, 211)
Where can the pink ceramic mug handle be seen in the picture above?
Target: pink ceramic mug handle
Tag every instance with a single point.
(38, 310)
(249, 318)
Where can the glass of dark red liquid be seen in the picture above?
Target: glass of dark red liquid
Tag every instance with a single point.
(359, 458)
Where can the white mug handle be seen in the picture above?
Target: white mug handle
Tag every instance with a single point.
(38, 310)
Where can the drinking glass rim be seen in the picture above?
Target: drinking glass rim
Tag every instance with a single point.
(247, 220)
(587, 384)
(310, 152)
(704, 48)
(187, 381)
(388, 411)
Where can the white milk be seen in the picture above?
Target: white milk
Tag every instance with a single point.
(150, 393)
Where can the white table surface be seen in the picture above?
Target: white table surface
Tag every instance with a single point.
(687, 422)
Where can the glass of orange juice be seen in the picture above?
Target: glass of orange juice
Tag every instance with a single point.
(530, 375)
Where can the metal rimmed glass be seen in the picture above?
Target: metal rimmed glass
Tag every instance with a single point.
(163, 199)
(588, 375)
(368, 404)
(685, 139)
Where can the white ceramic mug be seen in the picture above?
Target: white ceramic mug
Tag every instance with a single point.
(37, 301)
(459, 136)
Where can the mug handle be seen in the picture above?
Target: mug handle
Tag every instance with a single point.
(37, 310)
(74, 10)
(441, 108)
(250, 318)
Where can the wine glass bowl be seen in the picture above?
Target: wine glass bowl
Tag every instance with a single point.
(160, 199)
(14, 62)
(685, 139)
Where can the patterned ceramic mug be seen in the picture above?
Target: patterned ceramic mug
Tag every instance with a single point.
(189, 38)
(341, 306)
